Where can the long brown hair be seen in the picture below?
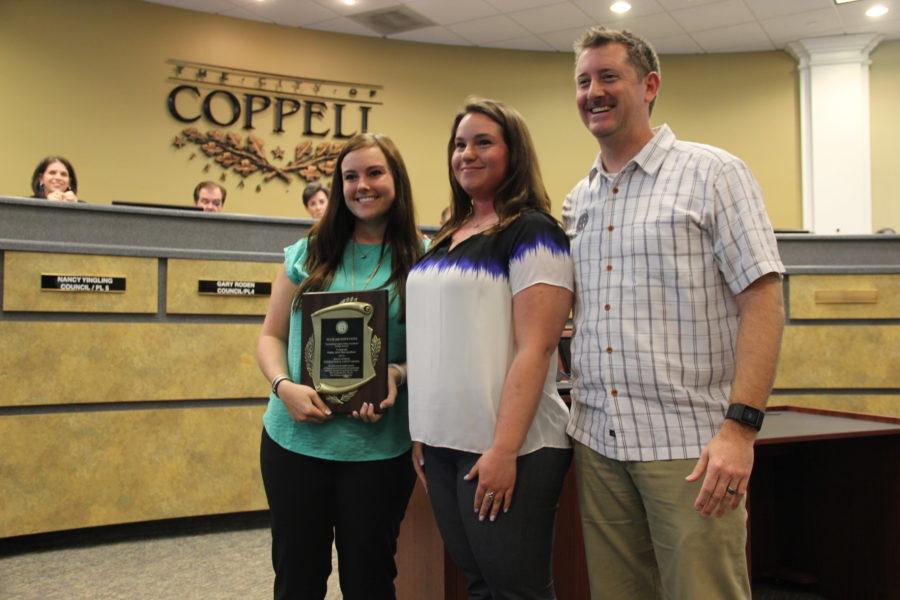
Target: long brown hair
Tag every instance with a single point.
(329, 237)
(523, 188)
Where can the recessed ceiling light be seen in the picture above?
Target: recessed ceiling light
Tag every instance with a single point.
(349, 2)
(620, 8)
(879, 10)
(844, 1)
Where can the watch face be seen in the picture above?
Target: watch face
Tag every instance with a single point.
(746, 415)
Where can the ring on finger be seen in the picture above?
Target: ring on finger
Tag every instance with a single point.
(730, 491)
(489, 495)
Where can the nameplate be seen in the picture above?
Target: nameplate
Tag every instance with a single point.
(228, 287)
(101, 284)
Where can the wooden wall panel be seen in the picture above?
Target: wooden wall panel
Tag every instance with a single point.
(22, 283)
(183, 275)
(65, 471)
(839, 356)
(64, 363)
(844, 296)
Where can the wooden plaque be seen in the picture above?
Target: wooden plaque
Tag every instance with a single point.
(345, 347)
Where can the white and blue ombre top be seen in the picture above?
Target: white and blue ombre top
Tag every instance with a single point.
(459, 334)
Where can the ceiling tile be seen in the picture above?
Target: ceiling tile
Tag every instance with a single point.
(678, 44)
(443, 12)
(242, 13)
(508, 6)
(889, 29)
(431, 35)
(552, 18)
(563, 41)
(747, 37)
(343, 25)
(769, 9)
(339, 8)
(491, 29)
(710, 16)
(679, 4)
(288, 12)
(211, 6)
(650, 26)
(600, 10)
(854, 14)
(530, 42)
(784, 30)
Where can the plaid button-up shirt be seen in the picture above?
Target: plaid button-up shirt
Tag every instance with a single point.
(660, 250)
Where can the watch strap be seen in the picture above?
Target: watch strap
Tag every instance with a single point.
(746, 415)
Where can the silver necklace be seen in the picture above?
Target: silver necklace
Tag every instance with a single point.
(363, 257)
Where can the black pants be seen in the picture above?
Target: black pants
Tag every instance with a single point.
(510, 558)
(358, 504)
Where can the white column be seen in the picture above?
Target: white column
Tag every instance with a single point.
(834, 132)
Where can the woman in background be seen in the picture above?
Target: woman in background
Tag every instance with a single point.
(54, 179)
(315, 199)
(336, 477)
(486, 307)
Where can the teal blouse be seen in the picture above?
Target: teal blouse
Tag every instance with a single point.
(344, 438)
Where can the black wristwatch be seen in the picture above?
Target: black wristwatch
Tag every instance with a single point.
(746, 415)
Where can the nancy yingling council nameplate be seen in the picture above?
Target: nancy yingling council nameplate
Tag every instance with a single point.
(345, 347)
(102, 284)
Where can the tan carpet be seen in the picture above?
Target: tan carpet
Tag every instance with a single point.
(207, 566)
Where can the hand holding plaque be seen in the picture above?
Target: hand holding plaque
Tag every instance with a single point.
(345, 348)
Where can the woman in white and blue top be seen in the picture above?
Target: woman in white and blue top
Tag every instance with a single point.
(485, 310)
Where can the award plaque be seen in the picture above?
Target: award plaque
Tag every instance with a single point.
(345, 347)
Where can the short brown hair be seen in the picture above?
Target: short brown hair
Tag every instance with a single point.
(208, 185)
(312, 189)
(641, 54)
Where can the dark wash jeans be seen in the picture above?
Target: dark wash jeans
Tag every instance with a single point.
(510, 558)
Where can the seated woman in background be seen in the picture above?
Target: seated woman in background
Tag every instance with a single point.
(54, 179)
(485, 309)
(315, 199)
(328, 476)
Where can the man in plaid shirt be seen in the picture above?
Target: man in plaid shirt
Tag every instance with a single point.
(678, 322)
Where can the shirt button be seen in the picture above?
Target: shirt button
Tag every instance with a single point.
(610, 228)
(606, 307)
(616, 190)
(609, 267)
(614, 392)
(609, 349)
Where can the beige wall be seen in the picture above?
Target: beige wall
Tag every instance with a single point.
(884, 82)
(97, 95)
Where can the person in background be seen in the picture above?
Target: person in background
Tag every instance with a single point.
(486, 307)
(315, 199)
(54, 179)
(210, 196)
(678, 321)
(337, 477)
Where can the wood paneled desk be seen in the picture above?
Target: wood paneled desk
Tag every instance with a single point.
(824, 509)
(824, 502)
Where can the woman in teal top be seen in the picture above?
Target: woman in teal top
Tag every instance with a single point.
(330, 477)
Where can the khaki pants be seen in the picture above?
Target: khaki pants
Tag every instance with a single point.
(643, 538)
